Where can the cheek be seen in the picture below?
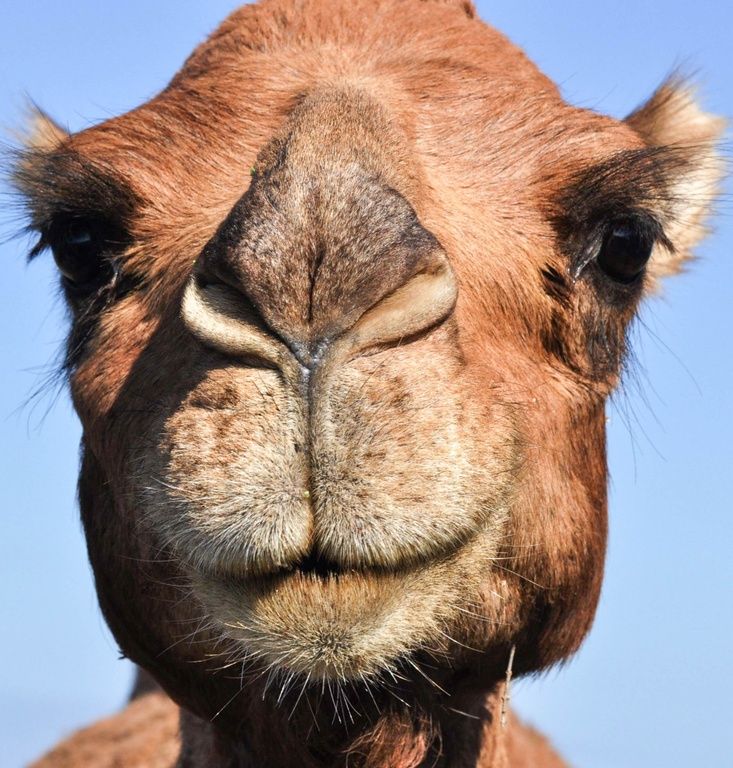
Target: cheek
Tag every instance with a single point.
(144, 598)
(561, 489)
(557, 534)
(111, 357)
(129, 372)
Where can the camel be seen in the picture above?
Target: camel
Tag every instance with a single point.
(347, 300)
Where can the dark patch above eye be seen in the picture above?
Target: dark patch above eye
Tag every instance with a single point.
(606, 216)
(82, 209)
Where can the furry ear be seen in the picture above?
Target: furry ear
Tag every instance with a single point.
(673, 121)
(39, 136)
(42, 133)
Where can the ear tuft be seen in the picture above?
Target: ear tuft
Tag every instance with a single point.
(672, 116)
(42, 133)
(673, 120)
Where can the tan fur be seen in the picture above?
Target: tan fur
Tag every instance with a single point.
(343, 403)
(42, 132)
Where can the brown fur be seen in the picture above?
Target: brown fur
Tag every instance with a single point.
(145, 735)
(343, 398)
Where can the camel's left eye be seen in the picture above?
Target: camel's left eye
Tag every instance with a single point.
(625, 251)
(81, 251)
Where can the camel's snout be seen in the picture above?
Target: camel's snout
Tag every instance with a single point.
(311, 263)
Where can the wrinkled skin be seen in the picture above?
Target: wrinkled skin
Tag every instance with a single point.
(343, 400)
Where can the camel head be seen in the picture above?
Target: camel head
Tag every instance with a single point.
(347, 300)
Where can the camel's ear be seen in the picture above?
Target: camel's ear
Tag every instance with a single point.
(673, 121)
(39, 135)
(42, 133)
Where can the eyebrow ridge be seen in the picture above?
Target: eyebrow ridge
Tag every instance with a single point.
(627, 181)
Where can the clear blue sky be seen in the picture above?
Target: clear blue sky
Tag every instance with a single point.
(653, 686)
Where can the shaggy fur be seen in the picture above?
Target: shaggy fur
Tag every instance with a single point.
(341, 352)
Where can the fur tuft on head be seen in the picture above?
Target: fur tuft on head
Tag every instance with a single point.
(673, 119)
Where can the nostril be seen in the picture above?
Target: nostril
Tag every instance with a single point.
(224, 319)
(217, 286)
(202, 280)
(210, 272)
(213, 292)
(421, 303)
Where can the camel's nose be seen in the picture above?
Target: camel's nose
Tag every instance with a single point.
(303, 266)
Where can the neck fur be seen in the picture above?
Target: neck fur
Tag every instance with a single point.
(467, 735)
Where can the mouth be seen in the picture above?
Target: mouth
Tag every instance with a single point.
(319, 566)
(325, 622)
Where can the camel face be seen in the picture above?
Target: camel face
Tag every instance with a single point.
(361, 474)
(347, 305)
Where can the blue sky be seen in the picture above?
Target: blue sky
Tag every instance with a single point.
(653, 686)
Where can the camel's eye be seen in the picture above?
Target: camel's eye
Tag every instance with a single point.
(81, 249)
(625, 251)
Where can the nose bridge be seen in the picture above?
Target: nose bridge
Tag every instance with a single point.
(323, 234)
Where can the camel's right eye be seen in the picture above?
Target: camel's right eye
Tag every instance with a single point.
(81, 250)
(626, 249)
